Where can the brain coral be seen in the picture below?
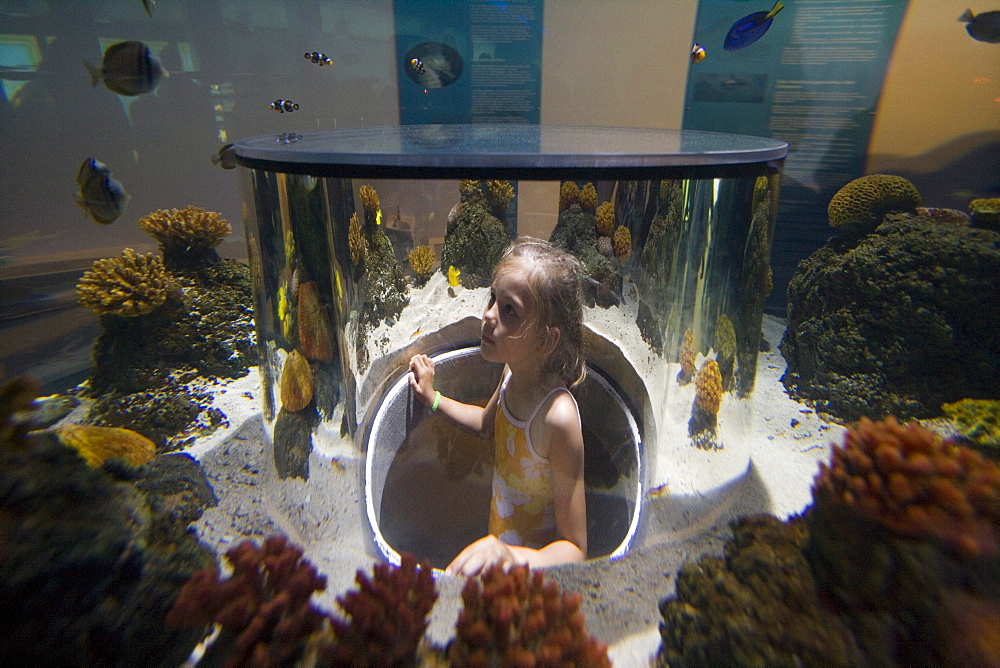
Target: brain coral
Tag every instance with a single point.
(518, 619)
(605, 219)
(908, 479)
(865, 200)
(190, 228)
(130, 285)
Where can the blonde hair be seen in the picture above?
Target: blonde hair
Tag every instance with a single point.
(553, 279)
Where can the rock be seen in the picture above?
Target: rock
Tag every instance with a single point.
(96, 444)
(296, 386)
(315, 332)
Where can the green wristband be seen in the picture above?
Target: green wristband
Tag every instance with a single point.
(437, 400)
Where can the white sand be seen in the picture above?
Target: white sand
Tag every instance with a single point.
(682, 520)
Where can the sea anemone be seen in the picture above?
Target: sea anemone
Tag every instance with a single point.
(605, 218)
(129, 286)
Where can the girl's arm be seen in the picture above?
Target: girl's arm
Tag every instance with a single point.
(565, 439)
(476, 419)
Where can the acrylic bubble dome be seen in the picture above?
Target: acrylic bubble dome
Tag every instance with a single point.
(370, 245)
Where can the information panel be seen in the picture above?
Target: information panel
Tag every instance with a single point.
(808, 72)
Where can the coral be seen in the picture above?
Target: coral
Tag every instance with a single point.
(356, 241)
(296, 384)
(498, 196)
(315, 330)
(588, 197)
(760, 192)
(622, 243)
(516, 618)
(908, 479)
(685, 357)
(708, 387)
(569, 193)
(605, 247)
(186, 236)
(422, 262)
(470, 192)
(387, 617)
(475, 242)
(985, 212)
(756, 606)
(264, 608)
(98, 444)
(370, 203)
(129, 286)
(977, 419)
(897, 322)
(383, 290)
(724, 342)
(865, 200)
(605, 219)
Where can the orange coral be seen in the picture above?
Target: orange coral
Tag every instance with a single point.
(605, 218)
(518, 619)
(708, 387)
(919, 486)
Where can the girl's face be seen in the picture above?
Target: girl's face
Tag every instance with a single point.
(506, 334)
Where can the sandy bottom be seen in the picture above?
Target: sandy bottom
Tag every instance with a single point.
(326, 514)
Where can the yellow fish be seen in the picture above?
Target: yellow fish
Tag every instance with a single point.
(378, 217)
(453, 275)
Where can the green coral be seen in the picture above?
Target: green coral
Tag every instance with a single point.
(471, 192)
(864, 201)
(498, 197)
(476, 240)
(977, 419)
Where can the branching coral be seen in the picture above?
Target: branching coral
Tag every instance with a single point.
(588, 197)
(187, 230)
(356, 241)
(370, 203)
(422, 262)
(264, 608)
(517, 619)
(471, 192)
(622, 243)
(387, 617)
(605, 218)
(864, 201)
(130, 285)
(569, 193)
(911, 481)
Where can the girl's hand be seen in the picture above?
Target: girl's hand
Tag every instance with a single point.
(422, 378)
(482, 554)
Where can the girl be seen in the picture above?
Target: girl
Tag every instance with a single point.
(534, 325)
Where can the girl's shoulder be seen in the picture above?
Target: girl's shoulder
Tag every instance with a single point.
(560, 411)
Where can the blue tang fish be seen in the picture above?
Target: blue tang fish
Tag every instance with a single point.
(100, 196)
(750, 28)
(128, 68)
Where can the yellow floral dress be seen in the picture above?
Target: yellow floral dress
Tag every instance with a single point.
(521, 510)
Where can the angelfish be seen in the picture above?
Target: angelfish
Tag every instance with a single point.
(128, 68)
(102, 197)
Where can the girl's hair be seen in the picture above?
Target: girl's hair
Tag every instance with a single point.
(553, 278)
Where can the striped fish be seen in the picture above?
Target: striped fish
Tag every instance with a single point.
(128, 68)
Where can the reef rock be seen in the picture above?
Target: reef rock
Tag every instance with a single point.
(98, 444)
(315, 331)
(897, 322)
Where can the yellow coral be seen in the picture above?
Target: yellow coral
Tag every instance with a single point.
(130, 285)
(422, 261)
(190, 228)
(588, 197)
(470, 192)
(356, 240)
(98, 444)
(500, 194)
(686, 356)
(605, 219)
(370, 203)
(569, 193)
(708, 387)
(623, 243)
(864, 201)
